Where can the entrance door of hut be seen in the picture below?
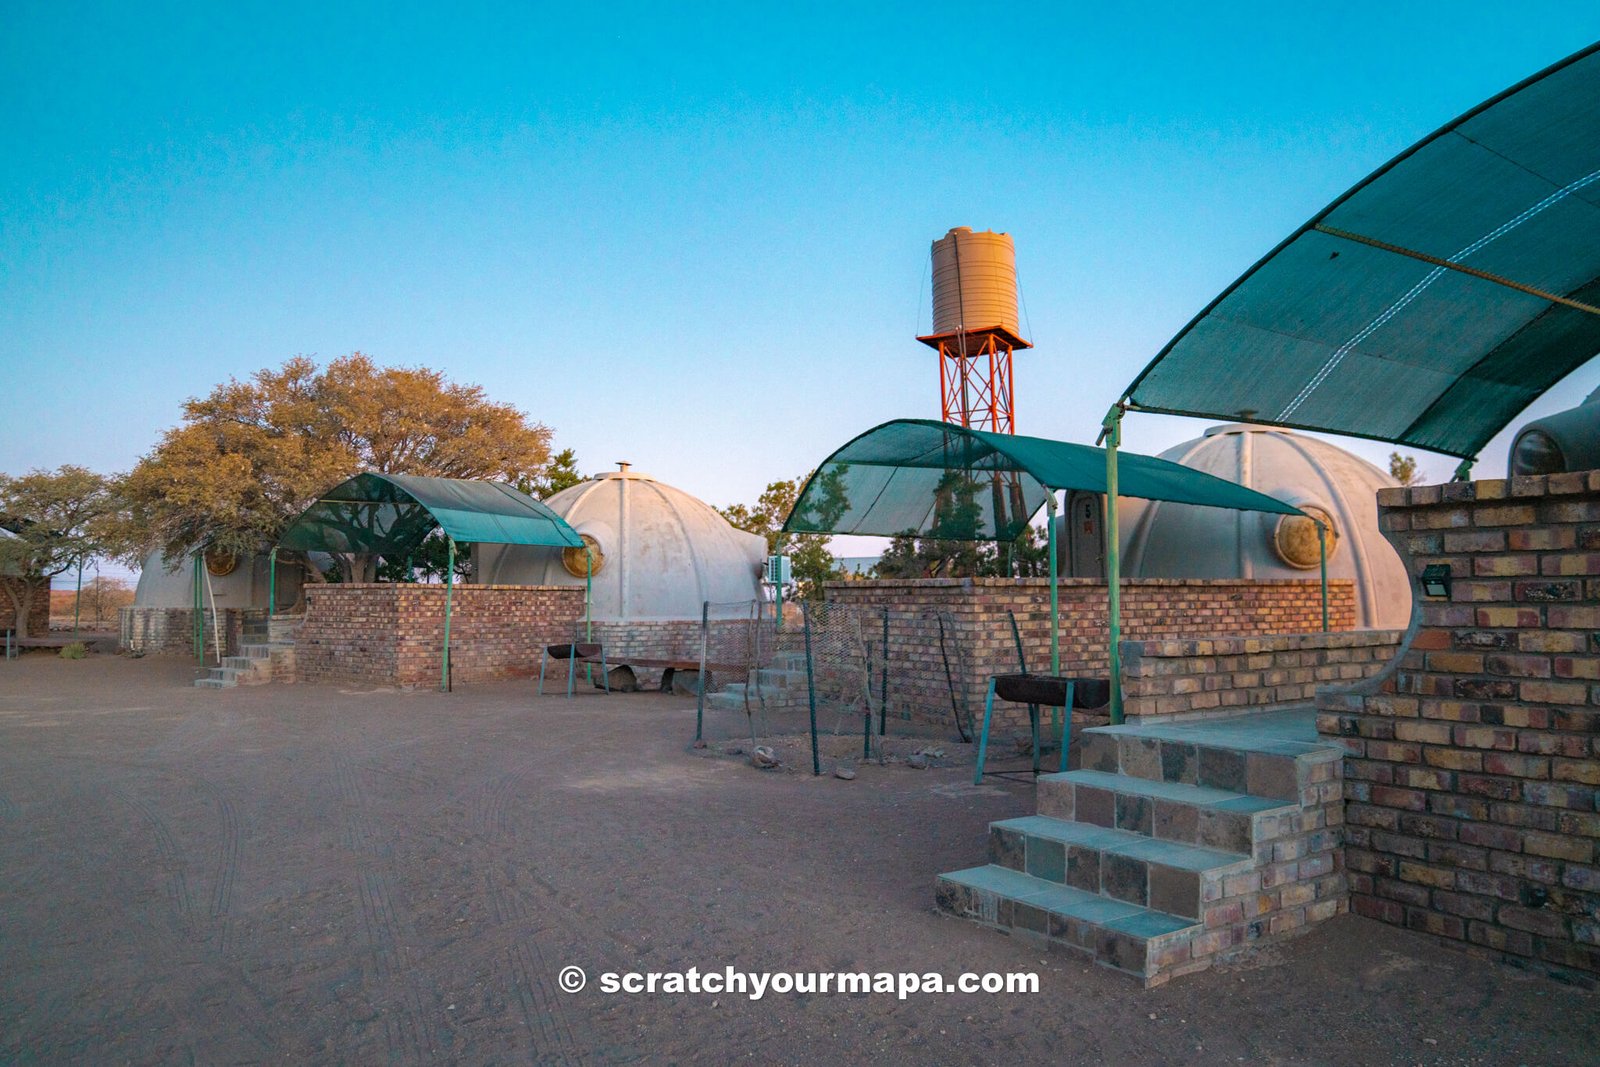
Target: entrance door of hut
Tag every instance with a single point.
(1086, 543)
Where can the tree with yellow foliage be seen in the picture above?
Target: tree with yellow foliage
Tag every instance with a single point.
(254, 454)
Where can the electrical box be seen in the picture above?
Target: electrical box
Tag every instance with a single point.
(777, 571)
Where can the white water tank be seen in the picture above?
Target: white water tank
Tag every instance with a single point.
(974, 282)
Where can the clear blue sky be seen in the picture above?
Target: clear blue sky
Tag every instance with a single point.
(692, 237)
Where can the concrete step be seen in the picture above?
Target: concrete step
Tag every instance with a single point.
(1240, 760)
(240, 663)
(1121, 865)
(1144, 942)
(215, 683)
(1219, 819)
(789, 661)
(732, 697)
(256, 650)
(773, 678)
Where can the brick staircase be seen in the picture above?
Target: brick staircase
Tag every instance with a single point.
(783, 685)
(266, 654)
(1172, 846)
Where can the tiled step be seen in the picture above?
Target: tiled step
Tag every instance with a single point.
(732, 697)
(1172, 811)
(1137, 940)
(774, 678)
(1175, 878)
(789, 661)
(1237, 761)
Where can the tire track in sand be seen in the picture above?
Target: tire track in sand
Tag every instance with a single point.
(405, 1031)
(171, 860)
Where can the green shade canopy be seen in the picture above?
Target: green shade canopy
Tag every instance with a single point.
(391, 514)
(1431, 303)
(940, 480)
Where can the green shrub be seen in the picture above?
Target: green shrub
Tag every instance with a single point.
(76, 650)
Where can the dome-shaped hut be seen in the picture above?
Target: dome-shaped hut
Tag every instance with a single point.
(1166, 540)
(658, 552)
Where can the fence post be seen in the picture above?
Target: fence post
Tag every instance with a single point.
(811, 689)
(700, 697)
(883, 685)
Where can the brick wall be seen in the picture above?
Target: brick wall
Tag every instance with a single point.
(393, 634)
(38, 608)
(1473, 766)
(1151, 609)
(1226, 675)
(170, 632)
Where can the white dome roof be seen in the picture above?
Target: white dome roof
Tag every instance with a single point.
(243, 587)
(1166, 540)
(663, 552)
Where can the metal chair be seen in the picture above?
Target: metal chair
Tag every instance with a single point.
(572, 653)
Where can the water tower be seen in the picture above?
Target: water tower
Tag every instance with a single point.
(975, 328)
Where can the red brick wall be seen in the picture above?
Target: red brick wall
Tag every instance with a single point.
(1473, 767)
(1154, 608)
(393, 634)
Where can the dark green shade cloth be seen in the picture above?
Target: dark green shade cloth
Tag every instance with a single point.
(939, 480)
(1328, 333)
(391, 514)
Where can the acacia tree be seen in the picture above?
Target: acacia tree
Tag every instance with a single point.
(1404, 470)
(56, 518)
(253, 454)
(810, 562)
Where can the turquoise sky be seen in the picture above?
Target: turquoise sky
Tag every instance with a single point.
(693, 237)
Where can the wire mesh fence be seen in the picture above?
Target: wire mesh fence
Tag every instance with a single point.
(835, 671)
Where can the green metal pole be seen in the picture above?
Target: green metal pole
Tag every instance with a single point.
(272, 582)
(1055, 584)
(77, 603)
(1322, 553)
(449, 588)
(811, 693)
(883, 686)
(1113, 436)
(1463, 472)
(588, 607)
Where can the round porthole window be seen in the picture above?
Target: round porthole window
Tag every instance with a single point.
(220, 563)
(573, 558)
(1294, 538)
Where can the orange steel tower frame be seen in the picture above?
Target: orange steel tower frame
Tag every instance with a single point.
(975, 376)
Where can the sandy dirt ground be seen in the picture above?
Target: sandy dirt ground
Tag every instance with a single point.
(335, 875)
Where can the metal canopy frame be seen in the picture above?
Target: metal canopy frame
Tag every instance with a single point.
(381, 514)
(880, 478)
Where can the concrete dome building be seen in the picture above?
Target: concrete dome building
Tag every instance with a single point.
(1166, 540)
(235, 583)
(659, 552)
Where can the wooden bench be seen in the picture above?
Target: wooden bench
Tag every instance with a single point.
(14, 644)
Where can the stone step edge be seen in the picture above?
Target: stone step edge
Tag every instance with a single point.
(1125, 843)
(1022, 906)
(1198, 795)
(1307, 751)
